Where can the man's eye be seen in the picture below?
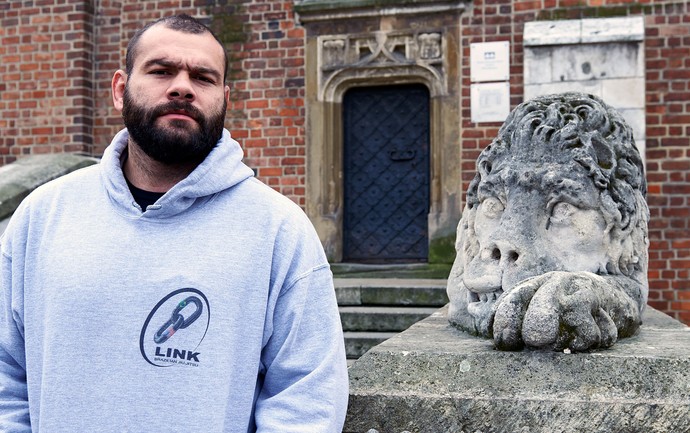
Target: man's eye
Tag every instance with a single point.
(491, 207)
(158, 72)
(206, 80)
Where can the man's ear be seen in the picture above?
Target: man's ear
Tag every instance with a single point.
(118, 88)
(227, 94)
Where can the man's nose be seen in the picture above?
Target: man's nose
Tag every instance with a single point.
(181, 88)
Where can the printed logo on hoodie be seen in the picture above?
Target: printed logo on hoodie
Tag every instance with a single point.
(175, 328)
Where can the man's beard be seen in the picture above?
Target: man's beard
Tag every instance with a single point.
(178, 142)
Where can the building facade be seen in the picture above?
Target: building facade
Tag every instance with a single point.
(361, 111)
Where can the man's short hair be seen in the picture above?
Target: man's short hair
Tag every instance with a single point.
(180, 23)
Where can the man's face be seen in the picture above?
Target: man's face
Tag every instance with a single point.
(174, 100)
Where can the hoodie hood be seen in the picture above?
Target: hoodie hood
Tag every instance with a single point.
(222, 169)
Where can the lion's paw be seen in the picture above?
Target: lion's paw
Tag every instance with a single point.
(558, 310)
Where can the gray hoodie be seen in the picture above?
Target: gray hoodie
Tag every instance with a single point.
(212, 311)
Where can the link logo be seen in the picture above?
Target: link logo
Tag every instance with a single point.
(175, 328)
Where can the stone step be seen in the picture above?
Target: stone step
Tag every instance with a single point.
(382, 319)
(374, 309)
(358, 343)
(391, 291)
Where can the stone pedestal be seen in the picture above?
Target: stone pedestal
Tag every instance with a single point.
(434, 378)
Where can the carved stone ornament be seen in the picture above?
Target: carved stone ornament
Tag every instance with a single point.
(380, 48)
(430, 45)
(552, 245)
(380, 51)
(333, 52)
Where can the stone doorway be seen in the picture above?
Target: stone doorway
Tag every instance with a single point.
(364, 44)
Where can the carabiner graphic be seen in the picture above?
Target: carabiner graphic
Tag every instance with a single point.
(177, 321)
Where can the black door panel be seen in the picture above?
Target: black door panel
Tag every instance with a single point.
(386, 169)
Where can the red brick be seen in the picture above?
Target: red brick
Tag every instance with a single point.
(270, 171)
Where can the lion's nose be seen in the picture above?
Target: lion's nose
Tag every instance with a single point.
(503, 252)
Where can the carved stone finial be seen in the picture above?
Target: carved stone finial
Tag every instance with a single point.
(333, 52)
(552, 245)
(430, 46)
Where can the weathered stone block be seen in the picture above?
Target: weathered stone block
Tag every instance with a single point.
(385, 319)
(590, 62)
(391, 291)
(624, 93)
(434, 378)
(591, 30)
(591, 87)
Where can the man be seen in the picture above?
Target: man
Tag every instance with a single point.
(166, 289)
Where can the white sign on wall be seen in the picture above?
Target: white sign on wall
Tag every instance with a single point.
(490, 101)
(490, 76)
(489, 61)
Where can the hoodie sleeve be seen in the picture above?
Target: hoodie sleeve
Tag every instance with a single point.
(305, 386)
(14, 404)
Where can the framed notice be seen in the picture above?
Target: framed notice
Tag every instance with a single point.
(490, 102)
(489, 61)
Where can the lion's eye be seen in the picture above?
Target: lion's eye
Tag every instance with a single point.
(562, 213)
(492, 207)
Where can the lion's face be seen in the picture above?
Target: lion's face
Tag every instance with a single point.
(535, 214)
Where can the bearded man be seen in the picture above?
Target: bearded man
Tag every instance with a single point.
(167, 289)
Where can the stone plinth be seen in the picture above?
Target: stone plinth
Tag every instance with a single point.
(434, 378)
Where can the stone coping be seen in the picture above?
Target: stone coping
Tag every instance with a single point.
(325, 10)
(583, 31)
(329, 5)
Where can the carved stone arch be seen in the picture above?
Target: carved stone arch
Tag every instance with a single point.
(380, 51)
(341, 81)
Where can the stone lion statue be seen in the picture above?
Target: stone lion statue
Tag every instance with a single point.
(552, 244)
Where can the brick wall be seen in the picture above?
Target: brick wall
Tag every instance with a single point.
(46, 96)
(57, 59)
(267, 112)
(668, 155)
